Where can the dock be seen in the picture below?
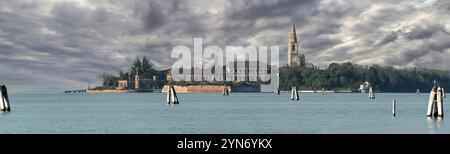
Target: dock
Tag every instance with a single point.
(75, 91)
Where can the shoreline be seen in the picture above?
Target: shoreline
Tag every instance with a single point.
(213, 91)
(119, 91)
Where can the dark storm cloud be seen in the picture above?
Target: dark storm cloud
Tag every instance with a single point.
(154, 17)
(439, 45)
(64, 44)
(251, 10)
(407, 56)
(320, 42)
(442, 5)
(327, 28)
(388, 38)
(421, 32)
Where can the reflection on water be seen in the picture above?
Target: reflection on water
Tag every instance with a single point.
(3, 114)
(434, 123)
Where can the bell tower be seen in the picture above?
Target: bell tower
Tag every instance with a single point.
(293, 55)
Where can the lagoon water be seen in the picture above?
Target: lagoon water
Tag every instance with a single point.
(213, 113)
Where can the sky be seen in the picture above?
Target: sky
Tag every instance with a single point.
(64, 44)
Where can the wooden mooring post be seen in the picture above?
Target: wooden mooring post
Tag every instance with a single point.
(226, 91)
(371, 93)
(4, 100)
(394, 106)
(172, 98)
(294, 93)
(436, 102)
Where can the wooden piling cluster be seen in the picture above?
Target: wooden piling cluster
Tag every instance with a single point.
(4, 100)
(226, 91)
(371, 93)
(436, 102)
(294, 93)
(172, 98)
(75, 91)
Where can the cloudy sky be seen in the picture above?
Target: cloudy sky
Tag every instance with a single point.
(63, 44)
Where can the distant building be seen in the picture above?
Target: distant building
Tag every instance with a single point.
(125, 84)
(241, 74)
(248, 73)
(294, 57)
(139, 83)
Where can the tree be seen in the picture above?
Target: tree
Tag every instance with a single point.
(109, 80)
(350, 76)
(372, 75)
(147, 68)
(124, 75)
(137, 66)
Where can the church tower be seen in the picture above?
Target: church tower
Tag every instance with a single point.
(293, 52)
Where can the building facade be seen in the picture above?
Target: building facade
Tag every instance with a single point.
(237, 71)
(140, 83)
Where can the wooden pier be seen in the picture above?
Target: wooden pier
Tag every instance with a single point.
(75, 91)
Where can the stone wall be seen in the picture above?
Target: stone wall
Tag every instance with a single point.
(110, 91)
(196, 89)
(246, 88)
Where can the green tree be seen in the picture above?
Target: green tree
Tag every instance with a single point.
(109, 80)
(124, 75)
(350, 76)
(147, 68)
(137, 66)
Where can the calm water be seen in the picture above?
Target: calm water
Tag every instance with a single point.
(214, 113)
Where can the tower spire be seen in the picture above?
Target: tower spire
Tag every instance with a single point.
(293, 27)
(293, 36)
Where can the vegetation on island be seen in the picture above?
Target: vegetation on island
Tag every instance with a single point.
(146, 71)
(348, 76)
(338, 76)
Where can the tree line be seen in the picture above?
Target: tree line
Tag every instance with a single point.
(337, 76)
(349, 76)
(144, 66)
